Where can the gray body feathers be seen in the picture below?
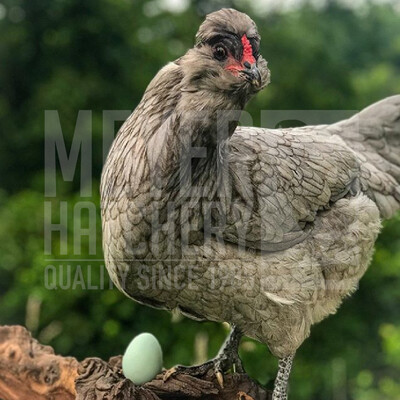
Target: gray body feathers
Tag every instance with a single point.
(293, 213)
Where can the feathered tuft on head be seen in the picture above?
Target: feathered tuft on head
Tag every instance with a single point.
(226, 20)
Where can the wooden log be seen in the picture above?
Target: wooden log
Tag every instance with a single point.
(31, 371)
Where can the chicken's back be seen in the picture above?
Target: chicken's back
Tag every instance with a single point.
(374, 134)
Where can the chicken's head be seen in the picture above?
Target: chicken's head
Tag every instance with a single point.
(226, 57)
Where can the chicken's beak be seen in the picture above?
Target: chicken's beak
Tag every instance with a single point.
(253, 75)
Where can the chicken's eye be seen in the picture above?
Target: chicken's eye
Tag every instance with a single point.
(220, 53)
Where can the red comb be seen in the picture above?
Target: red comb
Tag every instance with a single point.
(247, 51)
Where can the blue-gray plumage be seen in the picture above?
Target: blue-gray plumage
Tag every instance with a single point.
(268, 230)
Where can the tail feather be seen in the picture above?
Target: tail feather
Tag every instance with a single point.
(374, 134)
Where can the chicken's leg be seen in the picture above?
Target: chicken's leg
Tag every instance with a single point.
(227, 357)
(282, 378)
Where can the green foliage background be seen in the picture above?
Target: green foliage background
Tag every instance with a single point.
(71, 55)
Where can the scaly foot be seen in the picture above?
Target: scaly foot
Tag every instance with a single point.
(226, 359)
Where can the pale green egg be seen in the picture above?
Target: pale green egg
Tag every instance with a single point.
(142, 360)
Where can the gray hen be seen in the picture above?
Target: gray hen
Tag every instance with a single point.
(266, 229)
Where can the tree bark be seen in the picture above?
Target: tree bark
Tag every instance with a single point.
(31, 371)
